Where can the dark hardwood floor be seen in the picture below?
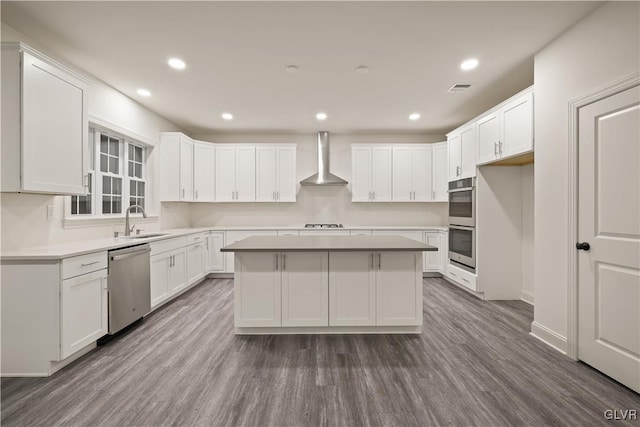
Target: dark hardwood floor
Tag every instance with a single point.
(474, 364)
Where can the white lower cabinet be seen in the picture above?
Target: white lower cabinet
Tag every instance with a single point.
(398, 289)
(214, 258)
(432, 259)
(196, 257)
(258, 291)
(352, 289)
(83, 311)
(443, 251)
(168, 275)
(305, 290)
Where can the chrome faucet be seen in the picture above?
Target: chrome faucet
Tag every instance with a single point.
(127, 230)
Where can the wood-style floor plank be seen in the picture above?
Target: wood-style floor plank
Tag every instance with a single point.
(474, 365)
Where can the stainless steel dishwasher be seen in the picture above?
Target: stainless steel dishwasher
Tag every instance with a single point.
(129, 286)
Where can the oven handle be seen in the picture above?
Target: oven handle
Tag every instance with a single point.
(462, 227)
(457, 190)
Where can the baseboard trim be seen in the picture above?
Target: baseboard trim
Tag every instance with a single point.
(527, 297)
(549, 337)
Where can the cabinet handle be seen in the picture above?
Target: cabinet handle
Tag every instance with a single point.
(273, 195)
(277, 195)
(500, 147)
(284, 261)
(465, 280)
(453, 274)
(276, 256)
(196, 194)
(88, 263)
(433, 195)
(183, 193)
(371, 262)
(86, 182)
(457, 170)
(379, 261)
(495, 148)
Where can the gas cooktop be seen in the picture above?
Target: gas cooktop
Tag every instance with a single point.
(323, 226)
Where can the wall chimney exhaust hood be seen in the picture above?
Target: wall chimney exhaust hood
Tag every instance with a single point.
(323, 177)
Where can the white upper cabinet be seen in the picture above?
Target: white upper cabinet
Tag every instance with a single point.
(439, 172)
(507, 131)
(176, 167)
(468, 151)
(371, 173)
(235, 173)
(455, 151)
(412, 173)
(44, 117)
(276, 173)
(204, 171)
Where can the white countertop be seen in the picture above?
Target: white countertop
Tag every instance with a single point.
(59, 251)
(326, 244)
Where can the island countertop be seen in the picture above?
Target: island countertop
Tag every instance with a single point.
(326, 244)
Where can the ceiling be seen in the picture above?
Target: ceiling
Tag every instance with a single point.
(236, 54)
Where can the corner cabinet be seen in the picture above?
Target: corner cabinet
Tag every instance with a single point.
(276, 173)
(462, 148)
(440, 182)
(44, 117)
(176, 165)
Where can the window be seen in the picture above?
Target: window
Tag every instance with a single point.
(118, 181)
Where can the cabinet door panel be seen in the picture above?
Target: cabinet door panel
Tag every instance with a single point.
(431, 259)
(265, 174)
(246, 173)
(421, 176)
(178, 271)
(54, 126)
(517, 126)
(215, 241)
(204, 172)
(488, 138)
(305, 288)
(360, 173)
(440, 165)
(399, 289)
(352, 289)
(159, 274)
(468, 152)
(195, 262)
(257, 290)
(381, 173)
(287, 184)
(83, 310)
(186, 170)
(455, 153)
(225, 173)
(443, 252)
(402, 174)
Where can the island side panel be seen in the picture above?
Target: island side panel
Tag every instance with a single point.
(398, 288)
(257, 290)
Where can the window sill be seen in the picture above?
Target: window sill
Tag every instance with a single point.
(97, 221)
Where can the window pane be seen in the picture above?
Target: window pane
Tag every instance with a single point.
(74, 205)
(114, 147)
(132, 189)
(104, 160)
(141, 189)
(113, 165)
(138, 154)
(84, 205)
(132, 202)
(106, 185)
(138, 170)
(106, 204)
(131, 155)
(116, 186)
(117, 204)
(130, 169)
(104, 144)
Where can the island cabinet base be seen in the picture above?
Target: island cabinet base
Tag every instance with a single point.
(342, 292)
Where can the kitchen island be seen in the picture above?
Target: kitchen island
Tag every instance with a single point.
(327, 284)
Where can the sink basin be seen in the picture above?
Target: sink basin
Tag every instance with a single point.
(147, 236)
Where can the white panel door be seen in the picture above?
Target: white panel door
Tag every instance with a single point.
(54, 129)
(608, 220)
(305, 288)
(245, 173)
(286, 182)
(204, 159)
(468, 151)
(225, 173)
(215, 241)
(83, 311)
(381, 173)
(488, 139)
(352, 289)
(402, 186)
(431, 258)
(195, 262)
(440, 164)
(257, 290)
(517, 126)
(159, 276)
(266, 173)
(398, 288)
(455, 153)
(421, 175)
(178, 270)
(443, 251)
(361, 173)
(186, 170)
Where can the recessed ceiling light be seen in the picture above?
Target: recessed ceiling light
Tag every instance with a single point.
(469, 64)
(227, 116)
(292, 69)
(363, 69)
(176, 63)
(321, 116)
(144, 92)
(414, 116)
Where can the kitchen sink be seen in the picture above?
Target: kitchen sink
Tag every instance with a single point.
(147, 236)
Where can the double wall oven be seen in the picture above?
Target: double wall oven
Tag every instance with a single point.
(462, 223)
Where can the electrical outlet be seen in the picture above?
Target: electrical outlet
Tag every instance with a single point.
(50, 212)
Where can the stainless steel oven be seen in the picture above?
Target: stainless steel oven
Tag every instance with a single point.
(462, 245)
(462, 200)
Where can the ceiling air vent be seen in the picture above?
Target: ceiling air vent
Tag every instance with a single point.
(459, 87)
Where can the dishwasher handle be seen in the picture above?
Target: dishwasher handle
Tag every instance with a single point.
(129, 254)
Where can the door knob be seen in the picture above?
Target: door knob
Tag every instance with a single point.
(583, 246)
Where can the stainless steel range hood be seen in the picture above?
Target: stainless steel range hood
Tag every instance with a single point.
(323, 177)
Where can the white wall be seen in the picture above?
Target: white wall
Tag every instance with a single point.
(320, 204)
(24, 219)
(602, 48)
(527, 233)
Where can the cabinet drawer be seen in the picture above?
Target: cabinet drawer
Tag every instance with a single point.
(167, 245)
(196, 238)
(462, 277)
(83, 264)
